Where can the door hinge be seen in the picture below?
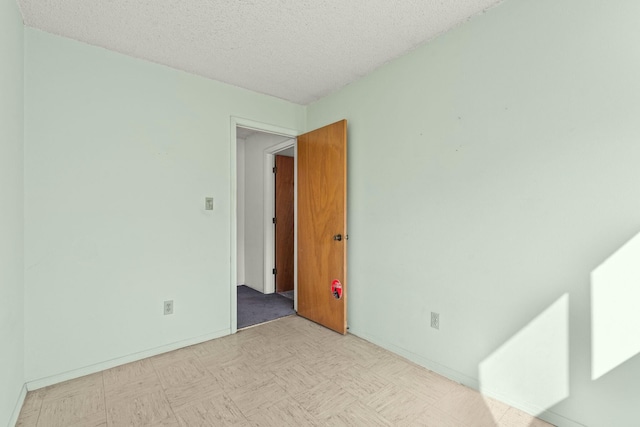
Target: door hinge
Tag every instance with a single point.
(275, 169)
(275, 271)
(275, 221)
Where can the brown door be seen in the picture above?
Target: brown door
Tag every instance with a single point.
(322, 225)
(284, 223)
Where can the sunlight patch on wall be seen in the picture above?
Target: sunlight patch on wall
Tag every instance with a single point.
(532, 367)
(615, 317)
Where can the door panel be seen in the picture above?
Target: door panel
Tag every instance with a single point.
(284, 223)
(322, 217)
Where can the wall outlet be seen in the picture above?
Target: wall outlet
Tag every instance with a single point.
(435, 320)
(168, 307)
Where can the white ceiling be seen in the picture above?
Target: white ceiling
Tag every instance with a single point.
(298, 50)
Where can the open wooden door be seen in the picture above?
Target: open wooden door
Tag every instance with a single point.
(322, 226)
(284, 223)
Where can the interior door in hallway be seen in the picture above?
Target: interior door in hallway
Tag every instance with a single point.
(322, 226)
(284, 223)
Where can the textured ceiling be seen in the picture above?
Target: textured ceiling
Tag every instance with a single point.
(298, 50)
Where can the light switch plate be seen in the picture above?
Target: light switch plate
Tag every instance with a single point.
(208, 203)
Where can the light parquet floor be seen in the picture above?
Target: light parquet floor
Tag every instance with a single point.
(290, 372)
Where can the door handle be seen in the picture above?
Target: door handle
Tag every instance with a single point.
(337, 237)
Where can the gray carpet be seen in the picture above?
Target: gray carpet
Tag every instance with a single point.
(287, 294)
(255, 307)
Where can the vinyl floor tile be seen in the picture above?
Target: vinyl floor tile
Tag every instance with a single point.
(82, 385)
(193, 393)
(76, 408)
(434, 417)
(146, 410)
(516, 418)
(290, 372)
(31, 408)
(396, 405)
(286, 412)
(358, 414)
(471, 408)
(359, 381)
(325, 400)
(129, 373)
(240, 375)
(215, 411)
(28, 420)
(257, 396)
(182, 372)
(297, 379)
(173, 357)
(426, 385)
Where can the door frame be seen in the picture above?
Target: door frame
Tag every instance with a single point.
(269, 212)
(233, 202)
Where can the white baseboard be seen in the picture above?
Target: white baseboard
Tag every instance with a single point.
(546, 415)
(559, 420)
(445, 371)
(16, 410)
(542, 413)
(92, 369)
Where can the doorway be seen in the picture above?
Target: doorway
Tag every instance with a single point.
(262, 255)
(320, 289)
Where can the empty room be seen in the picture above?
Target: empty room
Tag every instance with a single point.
(486, 239)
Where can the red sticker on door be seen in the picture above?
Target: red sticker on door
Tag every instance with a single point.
(336, 289)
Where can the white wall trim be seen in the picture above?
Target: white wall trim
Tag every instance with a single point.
(269, 213)
(92, 369)
(18, 407)
(264, 127)
(468, 381)
(559, 420)
(454, 375)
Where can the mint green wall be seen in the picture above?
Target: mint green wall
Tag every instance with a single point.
(11, 210)
(490, 172)
(120, 154)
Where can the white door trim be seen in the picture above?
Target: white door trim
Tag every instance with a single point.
(233, 200)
